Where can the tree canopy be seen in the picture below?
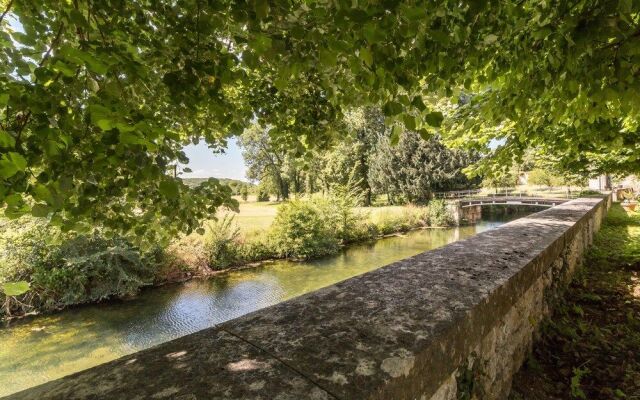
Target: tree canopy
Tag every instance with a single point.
(97, 98)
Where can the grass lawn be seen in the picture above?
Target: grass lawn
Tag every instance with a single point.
(259, 215)
(590, 347)
(254, 215)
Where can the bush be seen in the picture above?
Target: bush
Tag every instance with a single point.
(91, 268)
(589, 193)
(360, 229)
(262, 195)
(305, 229)
(388, 222)
(404, 219)
(255, 246)
(221, 243)
(438, 214)
(65, 269)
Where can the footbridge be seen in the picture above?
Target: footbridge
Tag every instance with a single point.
(507, 200)
(469, 209)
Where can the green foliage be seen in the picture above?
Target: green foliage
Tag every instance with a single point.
(61, 269)
(98, 98)
(269, 162)
(244, 194)
(589, 193)
(500, 179)
(438, 214)
(387, 223)
(262, 194)
(15, 288)
(221, 242)
(237, 187)
(350, 160)
(541, 177)
(305, 229)
(412, 217)
(89, 269)
(350, 225)
(576, 390)
(415, 168)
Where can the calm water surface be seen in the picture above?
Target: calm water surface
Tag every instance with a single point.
(48, 347)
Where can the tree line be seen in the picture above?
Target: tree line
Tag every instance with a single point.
(367, 158)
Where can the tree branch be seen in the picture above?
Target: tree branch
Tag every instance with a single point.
(53, 44)
(6, 11)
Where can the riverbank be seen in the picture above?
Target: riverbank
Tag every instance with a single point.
(68, 271)
(590, 347)
(48, 346)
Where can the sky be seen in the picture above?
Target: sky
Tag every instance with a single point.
(205, 164)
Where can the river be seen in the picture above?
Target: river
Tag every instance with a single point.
(47, 347)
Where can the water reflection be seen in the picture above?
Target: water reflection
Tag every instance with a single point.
(49, 347)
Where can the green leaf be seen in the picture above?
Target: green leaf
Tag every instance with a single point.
(102, 117)
(261, 9)
(396, 131)
(42, 193)
(40, 210)
(410, 122)
(366, 56)
(12, 163)
(625, 6)
(424, 133)
(169, 189)
(328, 58)
(418, 103)
(63, 68)
(392, 108)
(261, 43)
(490, 38)
(15, 288)
(434, 119)
(6, 140)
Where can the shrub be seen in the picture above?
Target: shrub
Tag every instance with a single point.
(91, 268)
(305, 229)
(415, 216)
(65, 269)
(360, 229)
(388, 222)
(182, 259)
(589, 193)
(255, 246)
(221, 242)
(438, 214)
(262, 195)
(393, 220)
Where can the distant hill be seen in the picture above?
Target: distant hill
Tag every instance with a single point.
(236, 185)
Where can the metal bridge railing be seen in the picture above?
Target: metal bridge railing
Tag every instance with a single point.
(554, 192)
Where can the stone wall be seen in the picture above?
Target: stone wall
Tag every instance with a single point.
(463, 215)
(472, 214)
(456, 320)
